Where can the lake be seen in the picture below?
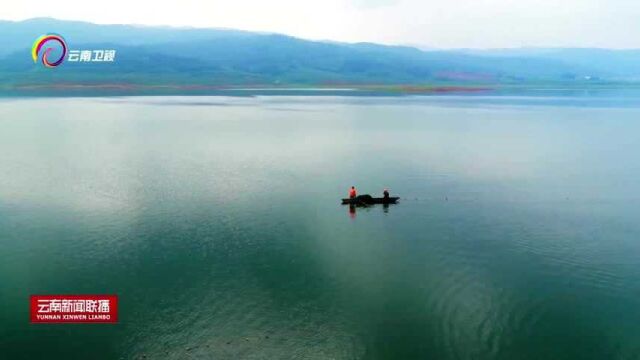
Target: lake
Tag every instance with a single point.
(217, 221)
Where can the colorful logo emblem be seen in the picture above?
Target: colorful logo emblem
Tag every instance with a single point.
(39, 45)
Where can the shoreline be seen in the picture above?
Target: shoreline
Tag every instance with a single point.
(121, 89)
(132, 89)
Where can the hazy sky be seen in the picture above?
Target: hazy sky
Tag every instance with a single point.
(430, 23)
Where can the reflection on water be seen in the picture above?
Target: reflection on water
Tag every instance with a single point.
(217, 221)
(353, 209)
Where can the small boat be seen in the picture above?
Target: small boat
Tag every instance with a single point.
(369, 200)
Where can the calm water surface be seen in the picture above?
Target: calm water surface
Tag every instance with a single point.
(217, 222)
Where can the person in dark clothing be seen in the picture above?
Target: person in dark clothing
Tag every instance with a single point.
(385, 194)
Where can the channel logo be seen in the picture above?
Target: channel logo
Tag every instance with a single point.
(42, 46)
(54, 45)
(74, 309)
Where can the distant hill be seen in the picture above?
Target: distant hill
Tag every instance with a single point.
(167, 55)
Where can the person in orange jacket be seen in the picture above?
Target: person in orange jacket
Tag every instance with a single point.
(352, 192)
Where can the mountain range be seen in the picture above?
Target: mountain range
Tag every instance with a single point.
(219, 57)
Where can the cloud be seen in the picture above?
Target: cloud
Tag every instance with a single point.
(436, 23)
(375, 3)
